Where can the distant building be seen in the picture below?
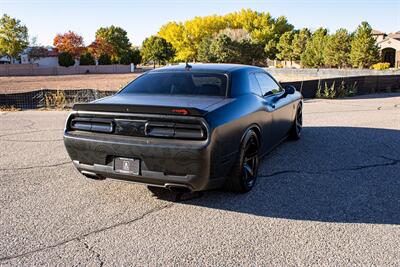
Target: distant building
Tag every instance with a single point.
(389, 45)
(50, 60)
(6, 60)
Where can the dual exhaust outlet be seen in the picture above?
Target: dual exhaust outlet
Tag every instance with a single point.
(179, 188)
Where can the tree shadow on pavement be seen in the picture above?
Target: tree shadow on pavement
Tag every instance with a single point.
(332, 174)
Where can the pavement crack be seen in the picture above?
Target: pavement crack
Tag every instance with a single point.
(91, 250)
(38, 166)
(81, 237)
(391, 162)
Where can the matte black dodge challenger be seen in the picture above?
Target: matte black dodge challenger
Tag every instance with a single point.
(185, 128)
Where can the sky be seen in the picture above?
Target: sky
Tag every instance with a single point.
(46, 18)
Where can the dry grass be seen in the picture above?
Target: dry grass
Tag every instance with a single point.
(8, 109)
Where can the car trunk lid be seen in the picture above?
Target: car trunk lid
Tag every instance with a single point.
(154, 104)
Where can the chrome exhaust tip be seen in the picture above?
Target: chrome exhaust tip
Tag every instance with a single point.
(178, 188)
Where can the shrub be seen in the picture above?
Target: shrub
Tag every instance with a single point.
(279, 66)
(318, 93)
(65, 59)
(352, 89)
(329, 92)
(104, 59)
(86, 59)
(131, 56)
(381, 66)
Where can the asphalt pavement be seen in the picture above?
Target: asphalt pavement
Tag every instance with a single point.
(331, 198)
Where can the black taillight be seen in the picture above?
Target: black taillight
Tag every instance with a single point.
(175, 130)
(92, 125)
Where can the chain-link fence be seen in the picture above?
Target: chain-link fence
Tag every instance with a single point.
(48, 98)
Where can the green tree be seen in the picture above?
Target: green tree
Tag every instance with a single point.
(13, 36)
(65, 59)
(364, 51)
(117, 38)
(285, 47)
(244, 49)
(203, 52)
(157, 49)
(131, 56)
(300, 39)
(337, 49)
(104, 59)
(86, 59)
(224, 49)
(313, 56)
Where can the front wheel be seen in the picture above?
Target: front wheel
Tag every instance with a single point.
(244, 174)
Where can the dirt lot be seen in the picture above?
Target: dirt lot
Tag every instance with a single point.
(18, 84)
(330, 199)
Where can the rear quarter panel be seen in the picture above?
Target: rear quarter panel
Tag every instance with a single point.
(227, 127)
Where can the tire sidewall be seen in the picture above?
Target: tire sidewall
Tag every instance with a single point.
(250, 134)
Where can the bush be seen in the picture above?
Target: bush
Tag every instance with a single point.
(131, 56)
(381, 66)
(104, 59)
(65, 59)
(279, 66)
(86, 59)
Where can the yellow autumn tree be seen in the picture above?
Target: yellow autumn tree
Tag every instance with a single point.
(187, 36)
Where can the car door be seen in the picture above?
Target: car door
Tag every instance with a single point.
(264, 118)
(279, 106)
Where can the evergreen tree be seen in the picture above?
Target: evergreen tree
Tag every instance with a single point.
(65, 59)
(224, 49)
(285, 47)
(337, 49)
(364, 51)
(299, 42)
(313, 56)
(203, 53)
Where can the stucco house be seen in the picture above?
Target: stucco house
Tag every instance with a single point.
(389, 45)
(50, 60)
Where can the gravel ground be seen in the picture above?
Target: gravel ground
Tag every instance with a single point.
(331, 198)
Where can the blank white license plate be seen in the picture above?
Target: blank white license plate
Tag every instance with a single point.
(127, 165)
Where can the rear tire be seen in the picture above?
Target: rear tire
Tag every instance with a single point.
(297, 127)
(244, 173)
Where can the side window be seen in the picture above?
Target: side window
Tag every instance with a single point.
(267, 85)
(254, 86)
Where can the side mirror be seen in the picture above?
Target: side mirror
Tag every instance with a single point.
(289, 89)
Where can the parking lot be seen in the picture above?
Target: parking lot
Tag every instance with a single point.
(332, 198)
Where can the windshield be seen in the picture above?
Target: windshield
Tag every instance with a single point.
(178, 83)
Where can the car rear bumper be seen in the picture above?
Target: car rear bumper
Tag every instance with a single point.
(166, 163)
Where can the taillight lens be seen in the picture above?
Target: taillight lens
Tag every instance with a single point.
(175, 130)
(92, 125)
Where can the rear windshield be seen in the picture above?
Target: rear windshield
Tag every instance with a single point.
(179, 83)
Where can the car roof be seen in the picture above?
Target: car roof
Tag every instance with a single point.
(224, 68)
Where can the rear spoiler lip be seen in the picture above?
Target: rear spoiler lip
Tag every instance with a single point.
(146, 109)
